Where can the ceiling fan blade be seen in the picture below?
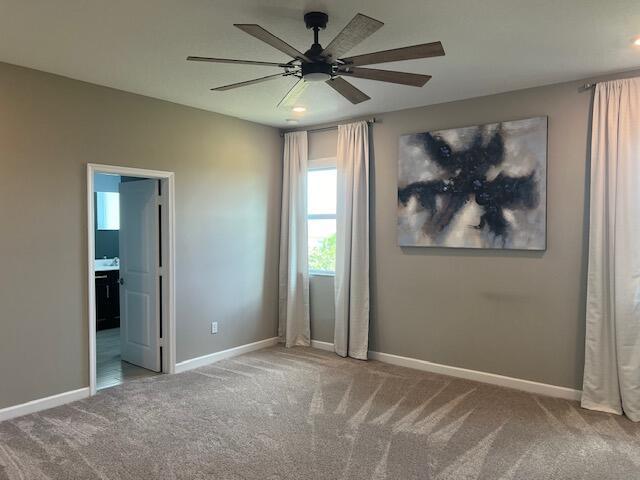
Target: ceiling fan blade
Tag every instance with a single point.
(403, 78)
(426, 50)
(290, 99)
(347, 90)
(230, 60)
(261, 34)
(359, 28)
(248, 82)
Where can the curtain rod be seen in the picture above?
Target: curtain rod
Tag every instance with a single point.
(329, 127)
(620, 76)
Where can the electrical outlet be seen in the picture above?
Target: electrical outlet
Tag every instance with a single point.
(214, 327)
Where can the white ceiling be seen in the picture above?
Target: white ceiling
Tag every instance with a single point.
(491, 46)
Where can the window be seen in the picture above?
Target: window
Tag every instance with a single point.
(321, 219)
(108, 210)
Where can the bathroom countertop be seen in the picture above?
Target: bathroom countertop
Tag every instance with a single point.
(106, 265)
(106, 268)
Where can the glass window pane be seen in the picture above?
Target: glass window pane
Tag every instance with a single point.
(322, 245)
(322, 191)
(108, 210)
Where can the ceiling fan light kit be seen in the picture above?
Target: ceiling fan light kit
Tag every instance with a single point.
(316, 72)
(320, 64)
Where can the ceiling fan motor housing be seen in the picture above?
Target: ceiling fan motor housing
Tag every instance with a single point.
(316, 20)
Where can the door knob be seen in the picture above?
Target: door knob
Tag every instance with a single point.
(121, 281)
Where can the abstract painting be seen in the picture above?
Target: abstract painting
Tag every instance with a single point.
(474, 187)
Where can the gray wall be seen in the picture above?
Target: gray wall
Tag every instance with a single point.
(104, 182)
(228, 175)
(322, 307)
(106, 241)
(511, 313)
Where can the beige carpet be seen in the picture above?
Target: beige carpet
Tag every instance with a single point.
(306, 414)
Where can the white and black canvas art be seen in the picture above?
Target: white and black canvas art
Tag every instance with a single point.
(474, 187)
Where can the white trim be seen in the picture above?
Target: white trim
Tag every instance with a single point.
(129, 171)
(91, 248)
(169, 345)
(321, 273)
(171, 350)
(43, 403)
(475, 375)
(231, 352)
(322, 345)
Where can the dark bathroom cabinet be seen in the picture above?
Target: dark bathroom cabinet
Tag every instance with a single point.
(107, 299)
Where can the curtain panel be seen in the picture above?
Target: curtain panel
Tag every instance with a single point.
(612, 348)
(351, 336)
(293, 316)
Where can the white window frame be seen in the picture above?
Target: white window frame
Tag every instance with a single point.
(316, 164)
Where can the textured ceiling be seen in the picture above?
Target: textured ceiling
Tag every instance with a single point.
(492, 46)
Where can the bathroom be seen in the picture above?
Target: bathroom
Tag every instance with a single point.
(111, 368)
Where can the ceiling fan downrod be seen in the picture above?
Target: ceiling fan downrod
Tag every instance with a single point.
(318, 70)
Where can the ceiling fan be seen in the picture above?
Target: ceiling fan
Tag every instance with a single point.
(327, 64)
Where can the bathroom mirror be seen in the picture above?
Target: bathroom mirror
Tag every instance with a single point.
(108, 210)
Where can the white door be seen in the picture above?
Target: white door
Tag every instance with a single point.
(139, 259)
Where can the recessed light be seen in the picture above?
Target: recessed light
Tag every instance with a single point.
(637, 42)
(292, 121)
(299, 109)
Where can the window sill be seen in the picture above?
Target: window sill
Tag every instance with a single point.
(322, 274)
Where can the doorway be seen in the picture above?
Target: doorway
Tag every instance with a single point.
(131, 283)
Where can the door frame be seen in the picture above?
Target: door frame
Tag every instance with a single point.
(168, 342)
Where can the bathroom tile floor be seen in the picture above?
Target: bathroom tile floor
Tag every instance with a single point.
(111, 369)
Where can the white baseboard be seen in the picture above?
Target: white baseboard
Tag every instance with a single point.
(475, 375)
(217, 356)
(484, 377)
(73, 395)
(43, 403)
(322, 345)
